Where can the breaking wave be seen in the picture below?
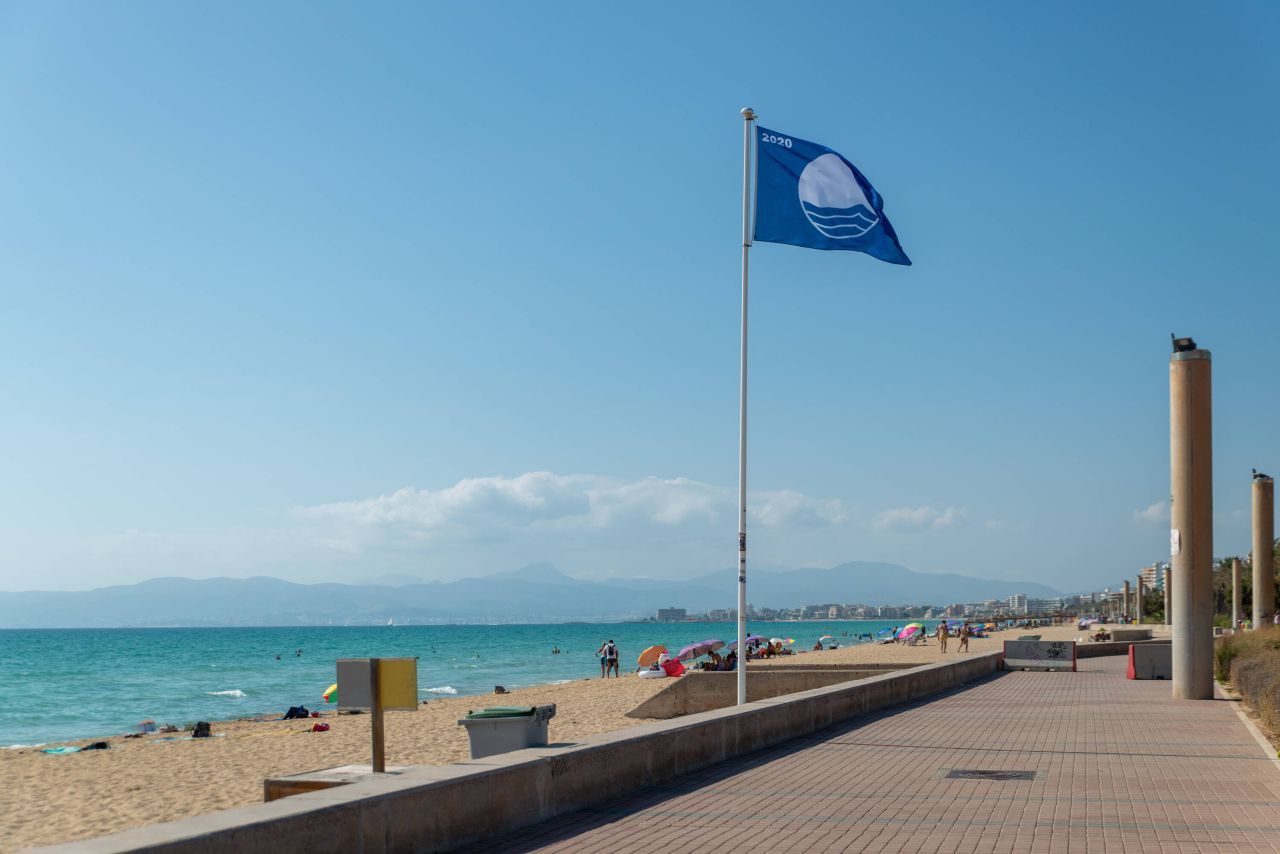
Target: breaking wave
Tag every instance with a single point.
(234, 692)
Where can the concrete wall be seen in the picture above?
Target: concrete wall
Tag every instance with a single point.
(702, 691)
(429, 808)
(1130, 635)
(1094, 650)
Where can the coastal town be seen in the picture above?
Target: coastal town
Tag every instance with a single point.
(1106, 601)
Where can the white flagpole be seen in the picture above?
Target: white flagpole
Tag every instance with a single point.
(748, 116)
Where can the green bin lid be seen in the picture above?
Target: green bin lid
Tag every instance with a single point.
(502, 712)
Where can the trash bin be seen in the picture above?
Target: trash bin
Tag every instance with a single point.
(500, 729)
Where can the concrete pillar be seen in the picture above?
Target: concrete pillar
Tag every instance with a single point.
(1137, 601)
(1191, 535)
(1236, 616)
(1168, 617)
(1126, 604)
(1264, 528)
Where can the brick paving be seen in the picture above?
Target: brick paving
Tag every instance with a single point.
(1121, 768)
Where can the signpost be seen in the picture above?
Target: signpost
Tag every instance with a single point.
(376, 685)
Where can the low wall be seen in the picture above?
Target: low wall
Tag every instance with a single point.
(702, 691)
(1094, 649)
(434, 808)
(1130, 635)
(1150, 661)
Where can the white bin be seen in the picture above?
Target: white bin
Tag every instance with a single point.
(491, 735)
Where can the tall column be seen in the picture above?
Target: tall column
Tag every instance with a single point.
(1137, 601)
(1168, 617)
(1236, 616)
(1264, 527)
(1191, 536)
(1126, 611)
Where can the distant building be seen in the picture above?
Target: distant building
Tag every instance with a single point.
(1018, 603)
(672, 615)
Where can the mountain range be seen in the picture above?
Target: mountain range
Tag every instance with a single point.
(535, 593)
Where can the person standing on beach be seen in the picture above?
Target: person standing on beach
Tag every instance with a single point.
(608, 653)
(942, 636)
(964, 639)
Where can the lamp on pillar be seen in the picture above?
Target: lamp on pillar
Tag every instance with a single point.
(1191, 534)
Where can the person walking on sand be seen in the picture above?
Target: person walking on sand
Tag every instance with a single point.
(964, 639)
(604, 659)
(942, 636)
(608, 653)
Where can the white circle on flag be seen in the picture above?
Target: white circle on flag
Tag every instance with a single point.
(833, 200)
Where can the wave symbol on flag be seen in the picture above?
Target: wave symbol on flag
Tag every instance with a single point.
(833, 200)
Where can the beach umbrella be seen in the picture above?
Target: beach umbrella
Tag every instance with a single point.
(331, 693)
(752, 640)
(694, 650)
(650, 655)
(884, 632)
(909, 630)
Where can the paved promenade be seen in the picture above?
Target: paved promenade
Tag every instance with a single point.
(1117, 766)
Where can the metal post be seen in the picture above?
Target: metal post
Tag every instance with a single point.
(375, 717)
(1264, 524)
(1137, 600)
(748, 135)
(1125, 610)
(1236, 614)
(1168, 615)
(1191, 536)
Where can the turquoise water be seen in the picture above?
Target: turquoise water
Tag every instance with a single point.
(79, 683)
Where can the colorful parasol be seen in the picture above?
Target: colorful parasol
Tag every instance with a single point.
(650, 655)
(331, 693)
(910, 629)
(694, 650)
(752, 640)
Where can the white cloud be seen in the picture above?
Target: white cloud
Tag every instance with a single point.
(489, 508)
(917, 518)
(1156, 514)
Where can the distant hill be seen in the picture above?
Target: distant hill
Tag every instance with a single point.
(537, 593)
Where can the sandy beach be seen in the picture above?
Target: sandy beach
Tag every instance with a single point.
(146, 780)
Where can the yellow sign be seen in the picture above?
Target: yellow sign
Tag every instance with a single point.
(398, 683)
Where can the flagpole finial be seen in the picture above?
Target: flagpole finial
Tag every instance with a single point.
(748, 114)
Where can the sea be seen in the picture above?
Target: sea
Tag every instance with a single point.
(63, 684)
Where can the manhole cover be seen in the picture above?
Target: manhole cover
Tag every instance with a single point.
(977, 774)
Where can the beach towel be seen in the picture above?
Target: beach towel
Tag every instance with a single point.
(58, 751)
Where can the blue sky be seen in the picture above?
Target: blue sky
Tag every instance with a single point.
(326, 292)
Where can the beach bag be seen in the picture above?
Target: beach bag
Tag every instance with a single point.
(201, 730)
(319, 727)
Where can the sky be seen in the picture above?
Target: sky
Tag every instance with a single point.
(327, 291)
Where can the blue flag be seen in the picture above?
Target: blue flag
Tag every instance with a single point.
(808, 195)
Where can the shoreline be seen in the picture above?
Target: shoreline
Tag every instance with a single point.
(145, 780)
